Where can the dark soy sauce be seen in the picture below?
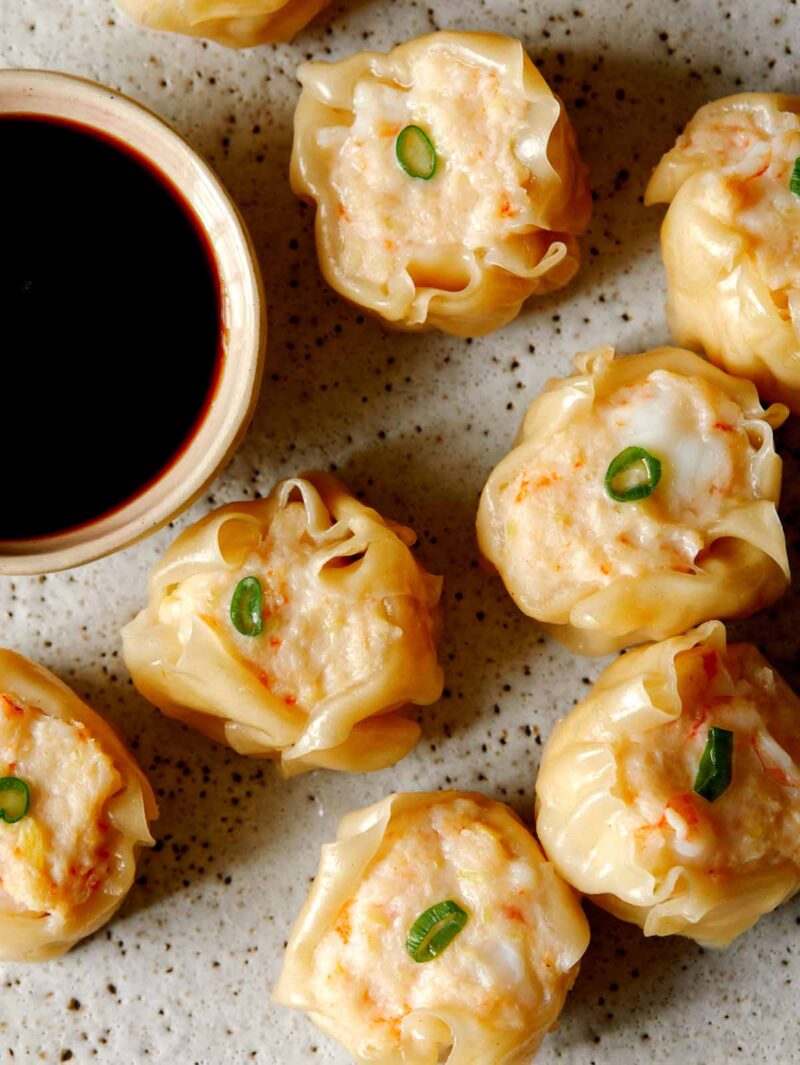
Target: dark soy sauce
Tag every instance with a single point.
(110, 319)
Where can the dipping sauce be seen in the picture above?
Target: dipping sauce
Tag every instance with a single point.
(110, 311)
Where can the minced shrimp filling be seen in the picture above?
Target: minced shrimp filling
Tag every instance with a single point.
(315, 643)
(756, 822)
(502, 966)
(755, 155)
(58, 855)
(481, 125)
(564, 531)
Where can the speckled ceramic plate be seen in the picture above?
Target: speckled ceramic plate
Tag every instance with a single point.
(414, 423)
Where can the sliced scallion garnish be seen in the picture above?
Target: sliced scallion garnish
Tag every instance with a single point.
(247, 607)
(640, 489)
(715, 771)
(434, 930)
(416, 153)
(794, 180)
(15, 798)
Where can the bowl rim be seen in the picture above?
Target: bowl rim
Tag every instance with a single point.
(87, 102)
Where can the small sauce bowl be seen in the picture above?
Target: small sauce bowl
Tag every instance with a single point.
(243, 331)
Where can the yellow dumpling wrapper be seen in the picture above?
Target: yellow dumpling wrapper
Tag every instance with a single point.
(599, 574)
(236, 23)
(350, 623)
(729, 238)
(617, 813)
(68, 863)
(497, 222)
(499, 985)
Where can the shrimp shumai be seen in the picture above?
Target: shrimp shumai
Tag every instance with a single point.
(729, 238)
(296, 627)
(671, 794)
(74, 811)
(235, 23)
(435, 930)
(446, 177)
(640, 499)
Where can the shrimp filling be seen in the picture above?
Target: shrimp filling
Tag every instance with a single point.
(502, 966)
(757, 820)
(479, 123)
(566, 533)
(315, 643)
(754, 153)
(58, 855)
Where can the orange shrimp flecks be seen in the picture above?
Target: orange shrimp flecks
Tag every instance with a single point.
(513, 913)
(343, 926)
(683, 805)
(770, 769)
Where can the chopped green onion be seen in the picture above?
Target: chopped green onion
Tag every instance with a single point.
(247, 607)
(434, 930)
(15, 798)
(794, 180)
(627, 458)
(715, 772)
(416, 153)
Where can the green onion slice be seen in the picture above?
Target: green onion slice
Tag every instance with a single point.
(15, 798)
(416, 153)
(794, 180)
(247, 607)
(715, 772)
(626, 459)
(434, 930)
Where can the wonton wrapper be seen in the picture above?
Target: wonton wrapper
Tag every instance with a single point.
(236, 23)
(463, 250)
(198, 669)
(38, 936)
(593, 594)
(728, 239)
(616, 810)
(517, 956)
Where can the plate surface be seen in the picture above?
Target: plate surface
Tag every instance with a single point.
(182, 975)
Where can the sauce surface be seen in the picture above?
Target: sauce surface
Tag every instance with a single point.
(110, 312)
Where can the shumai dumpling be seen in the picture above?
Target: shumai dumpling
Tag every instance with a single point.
(447, 180)
(435, 922)
(74, 810)
(729, 238)
(297, 626)
(671, 794)
(236, 23)
(639, 500)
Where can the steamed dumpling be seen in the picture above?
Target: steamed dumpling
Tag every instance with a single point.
(729, 238)
(237, 23)
(74, 810)
(498, 196)
(617, 811)
(495, 987)
(601, 574)
(297, 626)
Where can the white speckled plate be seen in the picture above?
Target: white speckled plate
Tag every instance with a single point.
(183, 974)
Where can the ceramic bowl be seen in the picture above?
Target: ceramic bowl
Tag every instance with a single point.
(244, 317)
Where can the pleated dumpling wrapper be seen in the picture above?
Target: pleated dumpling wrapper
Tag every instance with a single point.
(640, 499)
(435, 922)
(295, 627)
(671, 794)
(447, 180)
(729, 238)
(74, 811)
(235, 23)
